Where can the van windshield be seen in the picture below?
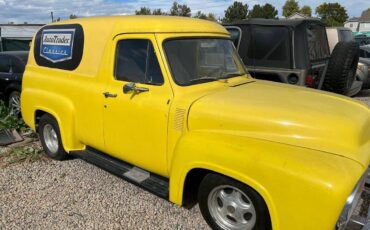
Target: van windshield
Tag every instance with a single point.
(199, 60)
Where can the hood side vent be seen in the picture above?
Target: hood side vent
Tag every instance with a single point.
(179, 119)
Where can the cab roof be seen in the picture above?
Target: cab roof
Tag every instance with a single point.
(150, 24)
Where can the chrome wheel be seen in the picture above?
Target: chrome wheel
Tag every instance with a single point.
(15, 103)
(50, 138)
(231, 208)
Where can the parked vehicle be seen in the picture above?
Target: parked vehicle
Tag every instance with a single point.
(363, 69)
(172, 109)
(289, 51)
(294, 52)
(12, 65)
(344, 61)
(363, 28)
(362, 40)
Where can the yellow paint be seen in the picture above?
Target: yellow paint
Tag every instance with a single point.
(303, 150)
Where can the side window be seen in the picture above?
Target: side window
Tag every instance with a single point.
(5, 65)
(136, 62)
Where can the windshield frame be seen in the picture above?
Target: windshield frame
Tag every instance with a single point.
(199, 38)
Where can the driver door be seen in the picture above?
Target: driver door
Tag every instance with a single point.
(137, 104)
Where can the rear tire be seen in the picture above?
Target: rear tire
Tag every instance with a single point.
(50, 138)
(227, 204)
(342, 67)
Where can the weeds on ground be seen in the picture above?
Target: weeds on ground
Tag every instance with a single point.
(10, 121)
(28, 151)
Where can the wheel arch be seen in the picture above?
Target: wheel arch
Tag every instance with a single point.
(192, 176)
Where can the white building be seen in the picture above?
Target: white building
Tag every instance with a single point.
(352, 24)
(17, 36)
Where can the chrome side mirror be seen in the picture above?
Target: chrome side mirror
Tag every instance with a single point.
(131, 87)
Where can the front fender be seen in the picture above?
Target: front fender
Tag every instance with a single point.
(61, 108)
(298, 184)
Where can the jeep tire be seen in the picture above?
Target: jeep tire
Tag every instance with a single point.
(50, 138)
(342, 67)
(228, 204)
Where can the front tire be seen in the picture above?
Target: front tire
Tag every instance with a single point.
(50, 138)
(227, 204)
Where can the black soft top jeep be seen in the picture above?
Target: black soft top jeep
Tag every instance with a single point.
(290, 51)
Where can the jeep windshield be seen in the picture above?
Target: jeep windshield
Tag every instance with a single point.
(200, 60)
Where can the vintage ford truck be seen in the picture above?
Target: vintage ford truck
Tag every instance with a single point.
(166, 103)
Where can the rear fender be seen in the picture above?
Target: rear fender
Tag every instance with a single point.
(61, 108)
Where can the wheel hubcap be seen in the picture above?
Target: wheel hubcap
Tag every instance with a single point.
(15, 104)
(231, 208)
(50, 138)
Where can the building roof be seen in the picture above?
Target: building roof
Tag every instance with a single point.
(354, 19)
(19, 30)
(297, 14)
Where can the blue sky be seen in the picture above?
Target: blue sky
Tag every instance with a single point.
(38, 11)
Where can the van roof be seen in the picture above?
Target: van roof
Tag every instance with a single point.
(150, 24)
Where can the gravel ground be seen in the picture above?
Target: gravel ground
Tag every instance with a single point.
(74, 194)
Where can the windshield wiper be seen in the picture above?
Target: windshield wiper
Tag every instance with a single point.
(229, 75)
(207, 78)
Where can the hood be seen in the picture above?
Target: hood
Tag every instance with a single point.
(286, 114)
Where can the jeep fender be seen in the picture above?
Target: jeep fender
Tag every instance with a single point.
(287, 177)
(61, 108)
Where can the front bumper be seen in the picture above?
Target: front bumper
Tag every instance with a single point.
(361, 218)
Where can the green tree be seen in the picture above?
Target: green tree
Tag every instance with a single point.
(332, 14)
(290, 7)
(158, 12)
(180, 10)
(266, 11)
(237, 11)
(143, 11)
(306, 10)
(201, 15)
(211, 17)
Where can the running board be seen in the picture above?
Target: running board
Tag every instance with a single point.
(153, 183)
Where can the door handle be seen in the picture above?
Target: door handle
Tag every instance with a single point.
(107, 94)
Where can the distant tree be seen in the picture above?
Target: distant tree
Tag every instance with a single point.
(72, 16)
(266, 11)
(237, 11)
(201, 15)
(332, 14)
(143, 11)
(180, 10)
(158, 12)
(306, 10)
(211, 17)
(290, 7)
